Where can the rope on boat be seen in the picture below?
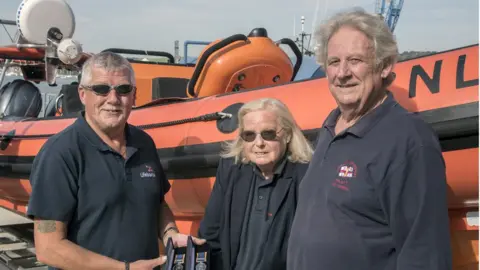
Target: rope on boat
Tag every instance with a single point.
(203, 118)
(5, 138)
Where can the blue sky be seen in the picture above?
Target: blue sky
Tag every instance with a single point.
(156, 24)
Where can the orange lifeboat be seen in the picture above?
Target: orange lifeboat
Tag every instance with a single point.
(189, 110)
(189, 131)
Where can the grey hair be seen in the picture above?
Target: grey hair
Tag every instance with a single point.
(384, 45)
(298, 148)
(108, 61)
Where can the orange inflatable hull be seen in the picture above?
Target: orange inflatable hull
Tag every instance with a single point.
(442, 88)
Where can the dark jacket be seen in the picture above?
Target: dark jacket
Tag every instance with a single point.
(222, 223)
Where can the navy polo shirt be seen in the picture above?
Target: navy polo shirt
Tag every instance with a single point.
(374, 197)
(257, 224)
(111, 204)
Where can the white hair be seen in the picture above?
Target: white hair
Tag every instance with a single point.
(299, 149)
(108, 61)
(384, 45)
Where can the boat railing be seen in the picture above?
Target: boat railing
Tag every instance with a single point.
(167, 55)
(191, 42)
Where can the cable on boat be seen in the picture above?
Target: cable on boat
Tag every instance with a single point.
(6, 138)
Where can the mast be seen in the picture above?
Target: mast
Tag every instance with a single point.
(301, 39)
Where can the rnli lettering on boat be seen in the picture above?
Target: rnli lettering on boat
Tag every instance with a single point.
(454, 72)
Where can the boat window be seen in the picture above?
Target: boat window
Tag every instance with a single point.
(167, 87)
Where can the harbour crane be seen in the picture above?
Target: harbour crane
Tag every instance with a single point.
(390, 11)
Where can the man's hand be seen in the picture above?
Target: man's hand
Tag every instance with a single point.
(148, 264)
(170, 230)
(180, 240)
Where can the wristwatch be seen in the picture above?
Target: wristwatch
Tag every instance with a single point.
(127, 266)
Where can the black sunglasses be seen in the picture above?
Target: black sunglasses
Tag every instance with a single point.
(104, 89)
(267, 135)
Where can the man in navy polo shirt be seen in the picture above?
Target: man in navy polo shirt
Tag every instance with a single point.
(98, 186)
(375, 195)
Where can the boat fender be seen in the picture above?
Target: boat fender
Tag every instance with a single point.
(229, 125)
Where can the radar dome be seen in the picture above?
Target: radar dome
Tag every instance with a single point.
(36, 17)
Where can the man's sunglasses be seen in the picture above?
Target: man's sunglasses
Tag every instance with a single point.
(267, 135)
(104, 89)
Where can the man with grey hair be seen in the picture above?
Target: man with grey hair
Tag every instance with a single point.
(375, 193)
(98, 186)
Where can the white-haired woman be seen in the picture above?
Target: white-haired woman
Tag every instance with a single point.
(252, 205)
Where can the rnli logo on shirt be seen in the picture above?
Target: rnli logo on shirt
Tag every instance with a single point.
(149, 172)
(345, 173)
(347, 170)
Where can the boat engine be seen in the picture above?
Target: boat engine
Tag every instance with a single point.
(19, 99)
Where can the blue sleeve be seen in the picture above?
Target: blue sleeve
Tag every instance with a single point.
(54, 185)
(414, 196)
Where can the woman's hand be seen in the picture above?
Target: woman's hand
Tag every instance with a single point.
(180, 240)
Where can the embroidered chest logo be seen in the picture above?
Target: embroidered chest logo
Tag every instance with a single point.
(149, 173)
(345, 173)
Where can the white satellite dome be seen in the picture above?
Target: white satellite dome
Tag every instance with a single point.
(36, 17)
(69, 51)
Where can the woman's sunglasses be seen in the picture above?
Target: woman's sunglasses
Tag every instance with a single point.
(104, 89)
(267, 135)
